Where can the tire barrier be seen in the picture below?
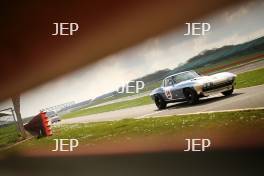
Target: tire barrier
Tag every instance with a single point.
(39, 126)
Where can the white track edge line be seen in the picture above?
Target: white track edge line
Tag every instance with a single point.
(209, 112)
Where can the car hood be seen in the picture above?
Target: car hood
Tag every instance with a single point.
(215, 78)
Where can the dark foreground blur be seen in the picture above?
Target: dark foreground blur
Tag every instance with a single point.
(218, 163)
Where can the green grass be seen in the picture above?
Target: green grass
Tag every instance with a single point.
(247, 79)
(92, 133)
(251, 78)
(8, 135)
(110, 107)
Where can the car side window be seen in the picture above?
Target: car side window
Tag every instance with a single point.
(177, 79)
(168, 82)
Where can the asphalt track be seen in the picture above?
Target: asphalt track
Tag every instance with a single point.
(251, 97)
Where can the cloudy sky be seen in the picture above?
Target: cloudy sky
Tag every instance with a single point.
(231, 26)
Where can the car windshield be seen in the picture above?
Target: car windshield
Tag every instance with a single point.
(184, 76)
(175, 79)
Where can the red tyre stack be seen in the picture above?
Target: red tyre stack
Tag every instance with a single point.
(46, 124)
(39, 125)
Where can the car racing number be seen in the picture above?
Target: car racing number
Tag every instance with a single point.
(168, 93)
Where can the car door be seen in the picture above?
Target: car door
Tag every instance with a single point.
(176, 91)
(172, 92)
(168, 85)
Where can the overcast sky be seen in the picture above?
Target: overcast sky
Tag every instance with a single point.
(231, 26)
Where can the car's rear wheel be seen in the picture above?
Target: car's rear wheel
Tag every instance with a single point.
(191, 96)
(229, 92)
(160, 103)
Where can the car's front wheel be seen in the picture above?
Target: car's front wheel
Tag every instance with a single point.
(191, 96)
(160, 103)
(229, 92)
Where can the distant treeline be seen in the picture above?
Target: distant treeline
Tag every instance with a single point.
(224, 53)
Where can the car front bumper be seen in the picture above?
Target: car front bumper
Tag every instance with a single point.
(218, 90)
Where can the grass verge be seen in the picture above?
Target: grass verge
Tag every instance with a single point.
(251, 78)
(127, 129)
(8, 135)
(110, 107)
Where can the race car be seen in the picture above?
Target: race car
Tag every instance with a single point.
(53, 116)
(190, 86)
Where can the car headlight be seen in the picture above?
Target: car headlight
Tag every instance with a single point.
(208, 84)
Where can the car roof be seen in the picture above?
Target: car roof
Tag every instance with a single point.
(179, 73)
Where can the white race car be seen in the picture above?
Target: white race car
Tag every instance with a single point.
(190, 86)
